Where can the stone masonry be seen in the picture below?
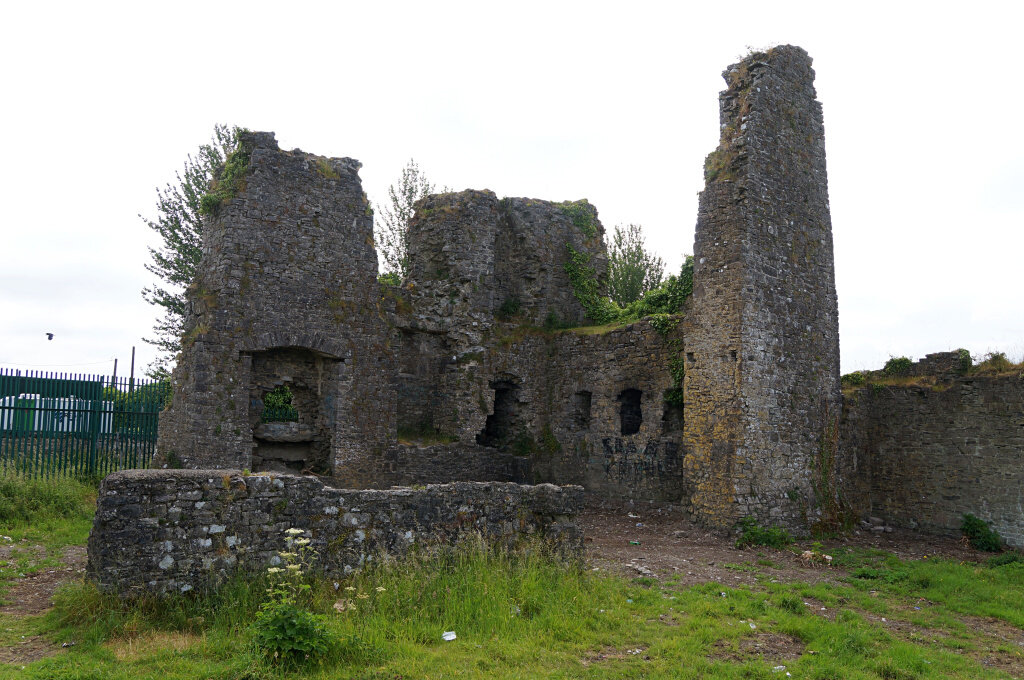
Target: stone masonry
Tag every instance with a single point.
(762, 342)
(481, 366)
(166, 531)
(920, 455)
(286, 294)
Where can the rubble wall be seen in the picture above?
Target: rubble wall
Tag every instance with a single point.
(561, 393)
(921, 456)
(762, 343)
(286, 293)
(164, 531)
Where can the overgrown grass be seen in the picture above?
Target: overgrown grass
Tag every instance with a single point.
(28, 501)
(752, 534)
(38, 518)
(526, 615)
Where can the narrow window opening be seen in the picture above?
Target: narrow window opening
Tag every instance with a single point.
(732, 354)
(581, 410)
(690, 357)
(630, 413)
(500, 428)
(672, 418)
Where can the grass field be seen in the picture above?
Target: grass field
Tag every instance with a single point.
(525, 616)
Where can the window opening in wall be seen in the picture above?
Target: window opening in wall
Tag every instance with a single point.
(630, 413)
(581, 410)
(672, 418)
(501, 426)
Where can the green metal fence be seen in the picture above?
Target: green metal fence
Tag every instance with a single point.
(58, 424)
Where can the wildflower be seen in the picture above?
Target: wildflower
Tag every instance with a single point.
(343, 606)
(380, 589)
(362, 596)
(288, 555)
(293, 567)
(274, 570)
(350, 588)
(294, 532)
(301, 541)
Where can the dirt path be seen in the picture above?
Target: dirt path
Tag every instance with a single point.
(33, 594)
(662, 542)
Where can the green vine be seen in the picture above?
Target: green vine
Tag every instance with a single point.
(230, 180)
(664, 323)
(599, 308)
(582, 215)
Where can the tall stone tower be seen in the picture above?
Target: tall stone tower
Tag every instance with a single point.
(762, 343)
(286, 294)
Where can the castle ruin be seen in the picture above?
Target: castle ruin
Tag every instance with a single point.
(724, 408)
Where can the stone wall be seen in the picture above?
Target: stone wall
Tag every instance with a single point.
(410, 464)
(920, 456)
(762, 343)
(163, 531)
(556, 399)
(286, 293)
(472, 255)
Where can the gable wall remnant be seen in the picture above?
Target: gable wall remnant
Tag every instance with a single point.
(287, 282)
(762, 343)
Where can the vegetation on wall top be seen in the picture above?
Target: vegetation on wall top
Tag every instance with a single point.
(666, 298)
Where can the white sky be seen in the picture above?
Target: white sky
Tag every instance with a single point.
(615, 102)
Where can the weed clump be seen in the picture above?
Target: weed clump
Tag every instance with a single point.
(1011, 557)
(897, 367)
(855, 379)
(285, 629)
(752, 533)
(980, 535)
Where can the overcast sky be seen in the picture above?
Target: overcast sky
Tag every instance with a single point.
(613, 102)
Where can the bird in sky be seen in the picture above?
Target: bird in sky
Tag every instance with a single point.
(49, 336)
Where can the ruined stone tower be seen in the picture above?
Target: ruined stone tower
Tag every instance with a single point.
(762, 343)
(286, 294)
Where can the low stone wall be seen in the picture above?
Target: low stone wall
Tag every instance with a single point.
(164, 531)
(920, 456)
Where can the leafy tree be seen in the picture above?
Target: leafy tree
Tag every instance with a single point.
(392, 227)
(180, 227)
(632, 270)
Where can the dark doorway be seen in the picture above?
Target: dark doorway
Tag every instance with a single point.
(630, 413)
(502, 425)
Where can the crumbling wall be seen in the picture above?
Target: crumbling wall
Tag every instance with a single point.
(762, 343)
(556, 401)
(286, 293)
(922, 455)
(164, 531)
(476, 261)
